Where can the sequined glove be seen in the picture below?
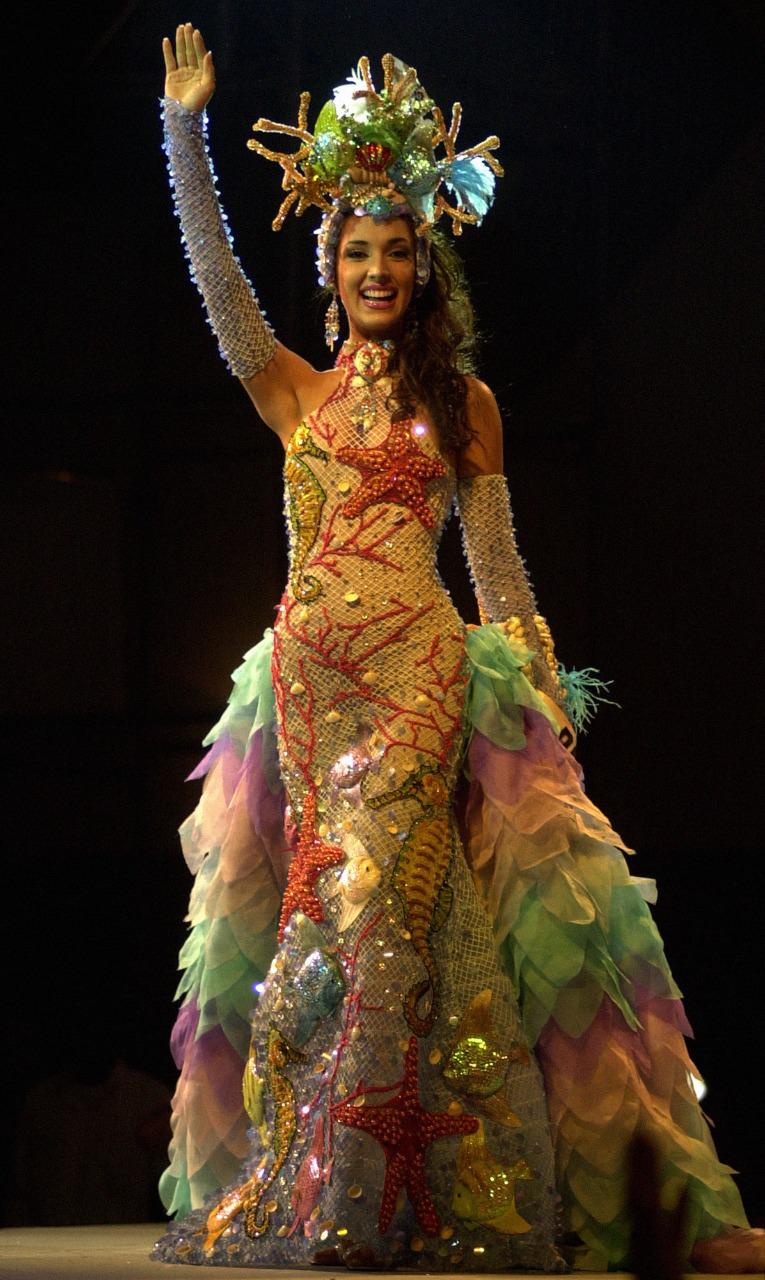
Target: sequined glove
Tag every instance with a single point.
(499, 576)
(245, 338)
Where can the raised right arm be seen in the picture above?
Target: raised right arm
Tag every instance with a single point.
(272, 375)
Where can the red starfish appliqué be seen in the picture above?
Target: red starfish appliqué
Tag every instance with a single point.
(404, 1130)
(396, 471)
(311, 857)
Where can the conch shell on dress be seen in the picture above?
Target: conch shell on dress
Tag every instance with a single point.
(357, 882)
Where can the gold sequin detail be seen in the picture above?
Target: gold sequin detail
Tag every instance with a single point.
(306, 499)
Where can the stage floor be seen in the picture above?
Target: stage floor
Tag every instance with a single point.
(109, 1253)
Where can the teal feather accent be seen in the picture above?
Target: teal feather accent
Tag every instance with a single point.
(472, 181)
(584, 692)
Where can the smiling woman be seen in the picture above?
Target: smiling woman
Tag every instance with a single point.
(385, 1006)
(375, 276)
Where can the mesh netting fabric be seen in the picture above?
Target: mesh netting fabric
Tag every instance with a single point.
(500, 577)
(244, 336)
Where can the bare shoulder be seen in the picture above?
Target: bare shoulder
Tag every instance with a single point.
(483, 454)
(287, 390)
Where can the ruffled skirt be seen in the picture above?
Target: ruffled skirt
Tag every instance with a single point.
(573, 928)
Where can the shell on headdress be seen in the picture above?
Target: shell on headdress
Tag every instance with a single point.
(374, 157)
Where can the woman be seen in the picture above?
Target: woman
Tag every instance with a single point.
(396, 1112)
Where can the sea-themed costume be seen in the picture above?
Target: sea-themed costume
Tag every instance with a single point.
(384, 1006)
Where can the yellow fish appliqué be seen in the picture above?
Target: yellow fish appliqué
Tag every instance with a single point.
(484, 1189)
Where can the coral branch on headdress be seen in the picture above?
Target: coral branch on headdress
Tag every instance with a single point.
(374, 152)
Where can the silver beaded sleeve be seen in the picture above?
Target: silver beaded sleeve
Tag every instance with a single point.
(499, 575)
(245, 338)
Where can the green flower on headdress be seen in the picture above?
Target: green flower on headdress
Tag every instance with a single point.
(332, 153)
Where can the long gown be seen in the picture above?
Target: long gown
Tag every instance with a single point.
(420, 1004)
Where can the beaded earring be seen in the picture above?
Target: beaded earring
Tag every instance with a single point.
(332, 323)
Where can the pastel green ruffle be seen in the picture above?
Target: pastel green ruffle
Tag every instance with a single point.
(582, 931)
(224, 954)
(252, 706)
(222, 958)
(597, 998)
(233, 913)
(498, 690)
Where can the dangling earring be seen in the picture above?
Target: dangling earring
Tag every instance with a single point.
(332, 323)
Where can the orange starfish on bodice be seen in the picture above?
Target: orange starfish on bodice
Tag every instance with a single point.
(311, 857)
(404, 1130)
(395, 471)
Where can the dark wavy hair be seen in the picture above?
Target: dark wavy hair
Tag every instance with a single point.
(438, 348)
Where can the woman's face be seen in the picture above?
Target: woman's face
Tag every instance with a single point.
(376, 275)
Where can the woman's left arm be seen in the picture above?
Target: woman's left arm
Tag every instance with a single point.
(501, 582)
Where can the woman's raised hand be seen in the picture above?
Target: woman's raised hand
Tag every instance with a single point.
(190, 74)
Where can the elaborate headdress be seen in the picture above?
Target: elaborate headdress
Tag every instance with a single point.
(374, 153)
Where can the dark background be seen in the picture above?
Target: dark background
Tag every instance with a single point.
(617, 279)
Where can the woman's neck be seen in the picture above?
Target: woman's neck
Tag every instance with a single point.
(367, 357)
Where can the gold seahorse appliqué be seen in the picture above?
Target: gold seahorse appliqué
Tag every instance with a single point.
(419, 878)
(306, 499)
(248, 1198)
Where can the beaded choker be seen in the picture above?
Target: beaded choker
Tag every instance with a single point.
(368, 358)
